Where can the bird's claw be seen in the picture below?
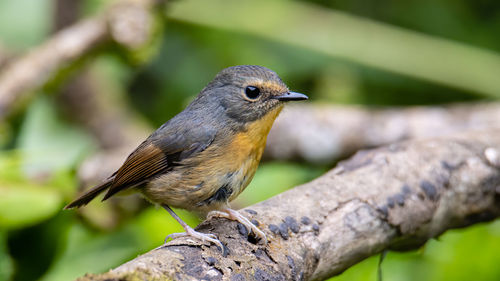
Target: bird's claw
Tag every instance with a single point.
(236, 216)
(204, 237)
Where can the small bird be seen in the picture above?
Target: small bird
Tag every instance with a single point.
(205, 156)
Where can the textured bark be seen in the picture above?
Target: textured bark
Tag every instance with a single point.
(127, 23)
(327, 133)
(394, 197)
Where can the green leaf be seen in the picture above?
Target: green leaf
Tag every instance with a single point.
(24, 204)
(46, 143)
(88, 252)
(459, 255)
(27, 30)
(6, 265)
(357, 39)
(155, 224)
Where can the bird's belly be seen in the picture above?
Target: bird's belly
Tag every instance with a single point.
(204, 186)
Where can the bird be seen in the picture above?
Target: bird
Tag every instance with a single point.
(205, 156)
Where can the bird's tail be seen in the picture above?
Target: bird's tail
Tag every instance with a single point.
(89, 195)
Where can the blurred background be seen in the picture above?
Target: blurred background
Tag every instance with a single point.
(75, 127)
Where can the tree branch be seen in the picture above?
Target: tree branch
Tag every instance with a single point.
(326, 133)
(395, 197)
(127, 23)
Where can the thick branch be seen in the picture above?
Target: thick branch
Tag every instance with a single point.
(395, 197)
(326, 133)
(128, 23)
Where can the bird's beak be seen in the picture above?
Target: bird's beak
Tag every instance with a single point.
(291, 96)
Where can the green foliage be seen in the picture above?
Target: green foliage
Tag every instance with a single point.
(368, 52)
(27, 30)
(18, 192)
(154, 224)
(458, 255)
(47, 144)
(14, 212)
(79, 253)
(6, 264)
(352, 38)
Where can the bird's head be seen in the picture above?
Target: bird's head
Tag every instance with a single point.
(249, 92)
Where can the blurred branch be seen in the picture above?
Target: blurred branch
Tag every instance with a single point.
(107, 118)
(326, 133)
(395, 197)
(315, 133)
(354, 38)
(127, 23)
(65, 13)
(116, 127)
(5, 56)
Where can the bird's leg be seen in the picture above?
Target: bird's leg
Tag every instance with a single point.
(236, 216)
(190, 231)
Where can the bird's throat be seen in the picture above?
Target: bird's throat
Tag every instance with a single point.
(257, 131)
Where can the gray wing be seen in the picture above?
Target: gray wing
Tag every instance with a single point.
(167, 146)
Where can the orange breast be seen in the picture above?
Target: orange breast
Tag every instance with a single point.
(247, 148)
(232, 163)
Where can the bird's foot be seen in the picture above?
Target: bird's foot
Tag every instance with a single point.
(190, 232)
(236, 216)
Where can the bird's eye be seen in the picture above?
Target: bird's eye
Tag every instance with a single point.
(252, 92)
